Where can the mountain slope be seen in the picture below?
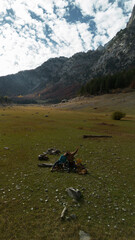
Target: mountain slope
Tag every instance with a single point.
(26, 82)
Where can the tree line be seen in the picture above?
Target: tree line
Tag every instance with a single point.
(5, 100)
(106, 84)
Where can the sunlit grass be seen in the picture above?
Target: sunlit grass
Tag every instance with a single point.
(32, 198)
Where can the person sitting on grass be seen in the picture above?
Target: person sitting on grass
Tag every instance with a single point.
(61, 162)
(65, 158)
(71, 162)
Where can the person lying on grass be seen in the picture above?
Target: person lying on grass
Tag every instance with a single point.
(65, 158)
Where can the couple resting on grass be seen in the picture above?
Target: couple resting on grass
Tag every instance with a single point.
(67, 159)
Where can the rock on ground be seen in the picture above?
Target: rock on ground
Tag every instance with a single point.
(84, 236)
(74, 193)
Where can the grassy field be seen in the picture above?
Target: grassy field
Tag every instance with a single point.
(32, 198)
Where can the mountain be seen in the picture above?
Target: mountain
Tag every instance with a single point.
(26, 82)
(61, 77)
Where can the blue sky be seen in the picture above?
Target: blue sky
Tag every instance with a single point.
(32, 31)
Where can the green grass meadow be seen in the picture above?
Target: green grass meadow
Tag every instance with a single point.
(32, 198)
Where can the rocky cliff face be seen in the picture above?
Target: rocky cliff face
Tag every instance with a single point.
(119, 53)
(131, 23)
(61, 77)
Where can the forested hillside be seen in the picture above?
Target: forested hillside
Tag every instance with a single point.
(106, 84)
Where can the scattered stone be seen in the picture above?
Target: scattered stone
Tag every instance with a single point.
(63, 213)
(64, 100)
(18, 187)
(73, 216)
(74, 193)
(43, 157)
(6, 148)
(46, 115)
(53, 151)
(84, 236)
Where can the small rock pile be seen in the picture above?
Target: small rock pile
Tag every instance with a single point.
(43, 157)
(53, 151)
(50, 151)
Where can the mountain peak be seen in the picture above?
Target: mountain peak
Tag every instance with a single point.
(131, 22)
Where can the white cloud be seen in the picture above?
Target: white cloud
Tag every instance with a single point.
(128, 5)
(86, 6)
(26, 42)
(110, 21)
(108, 17)
(4, 5)
(85, 34)
(47, 5)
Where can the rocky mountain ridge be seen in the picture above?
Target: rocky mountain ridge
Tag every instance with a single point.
(60, 78)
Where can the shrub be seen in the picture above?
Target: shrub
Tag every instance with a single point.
(118, 115)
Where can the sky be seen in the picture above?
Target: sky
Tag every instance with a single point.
(32, 31)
